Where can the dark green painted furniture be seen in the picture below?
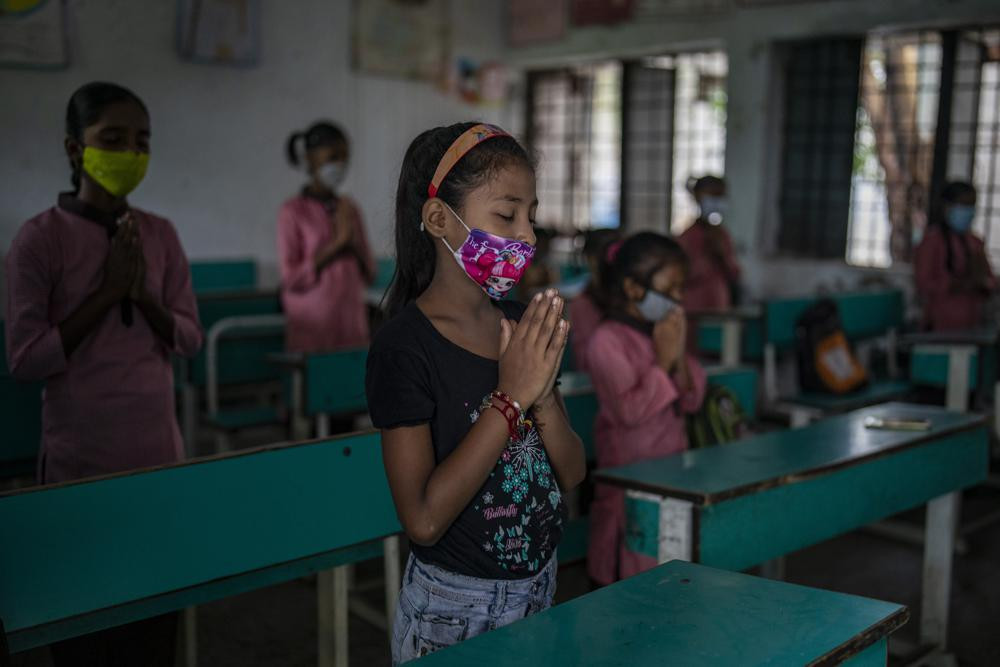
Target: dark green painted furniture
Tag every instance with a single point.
(754, 500)
(865, 315)
(21, 410)
(223, 274)
(691, 615)
(89, 555)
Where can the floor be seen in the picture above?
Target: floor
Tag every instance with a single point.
(277, 626)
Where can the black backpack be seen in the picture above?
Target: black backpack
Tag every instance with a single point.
(826, 363)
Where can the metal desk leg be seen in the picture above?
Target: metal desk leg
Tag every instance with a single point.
(189, 618)
(189, 417)
(732, 333)
(331, 591)
(300, 425)
(942, 518)
(770, 373)
(958, 377)
(322, 425)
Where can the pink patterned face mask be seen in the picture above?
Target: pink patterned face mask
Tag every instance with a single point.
(494, 263)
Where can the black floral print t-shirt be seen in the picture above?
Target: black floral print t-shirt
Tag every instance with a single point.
(512, 526)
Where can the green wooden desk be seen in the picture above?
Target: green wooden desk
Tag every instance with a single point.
(325, 384)
(21, 411)
(83, 556)
(957, 360)
(741, 504)
(722, 331)
(223, 274)
(240, 360)
(691, 615)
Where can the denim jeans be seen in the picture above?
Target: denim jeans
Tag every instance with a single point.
(438, 608)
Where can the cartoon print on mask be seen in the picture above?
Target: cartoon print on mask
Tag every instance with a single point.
(502, 279)
(482, 252)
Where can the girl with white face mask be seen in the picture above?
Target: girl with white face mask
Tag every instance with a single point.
(323, 249)
(645, 383)
(950, 266)
(714, 274)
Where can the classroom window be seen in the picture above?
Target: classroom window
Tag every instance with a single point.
(699, 129)
(575, 129)
(926, 110)
(819, 126)
(618, 141)
(985, 53)
(893, 146)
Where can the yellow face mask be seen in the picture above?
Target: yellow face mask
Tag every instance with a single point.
(118, 172)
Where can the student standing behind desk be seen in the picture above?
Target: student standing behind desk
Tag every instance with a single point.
(99, 296)
(323, 250)
(645, 383)
(713, 274)
(584, 312)
(952, 273)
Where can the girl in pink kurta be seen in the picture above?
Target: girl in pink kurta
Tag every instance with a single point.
(713, 272)
(645, 383)
(99, 298)
(325, 260)
(584, 312)
(950, 266)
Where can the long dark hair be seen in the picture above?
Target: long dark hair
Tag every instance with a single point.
(595, 246)
(321, 133)
(950, 194)
(85, 108)
(638, 258)
(415, 254)
(695, 185)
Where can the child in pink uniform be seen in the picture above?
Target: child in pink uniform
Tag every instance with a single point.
(713, 273)
(645, 382)
(99, 298)
(325, 260)
(950, 266)
(584, 312)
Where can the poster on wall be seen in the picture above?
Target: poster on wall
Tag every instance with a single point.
(479, 83)
(401, 38)
(533, 22)
(602, 12)
(33, 33)
(221, 32)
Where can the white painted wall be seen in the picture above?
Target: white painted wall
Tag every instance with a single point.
(218, 169)
(752, 147)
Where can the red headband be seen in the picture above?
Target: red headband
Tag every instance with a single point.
(470, 139)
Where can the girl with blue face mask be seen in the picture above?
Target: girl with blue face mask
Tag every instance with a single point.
(645, 383)
(951, 269)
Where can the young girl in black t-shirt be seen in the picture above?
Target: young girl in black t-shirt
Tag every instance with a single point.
(477, 446)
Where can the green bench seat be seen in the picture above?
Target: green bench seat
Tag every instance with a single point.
(879, 391)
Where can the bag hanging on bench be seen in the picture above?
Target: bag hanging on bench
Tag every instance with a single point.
(721, 419)
(826, 362)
